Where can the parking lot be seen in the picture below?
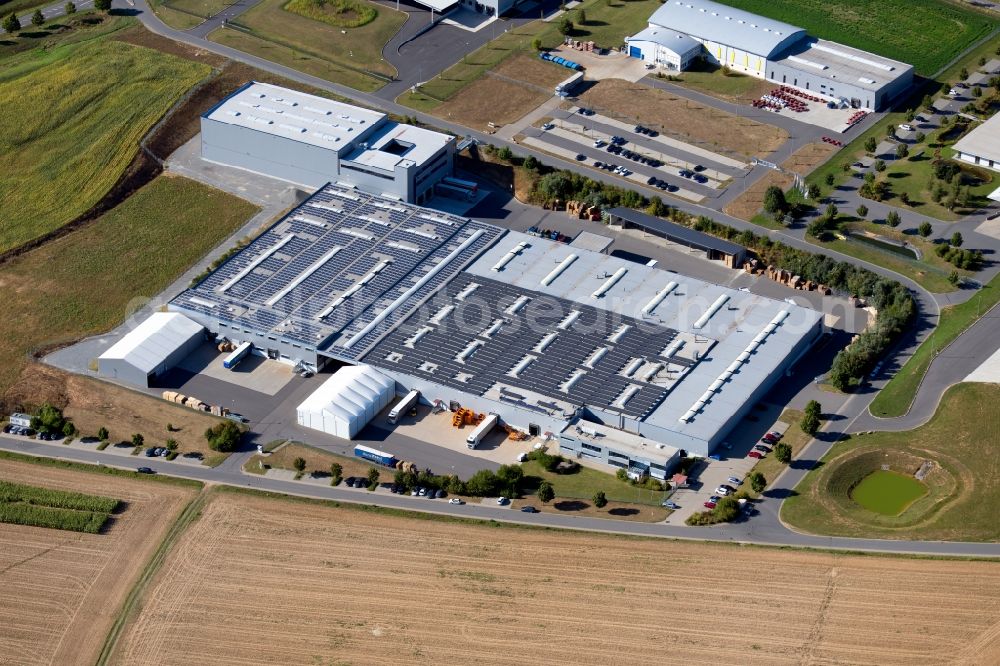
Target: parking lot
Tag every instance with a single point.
(635, 153)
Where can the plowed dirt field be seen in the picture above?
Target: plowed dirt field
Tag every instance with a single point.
(61, 591)
(257, 581)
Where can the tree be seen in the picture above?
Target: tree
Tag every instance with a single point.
(483, 483)
(813, 191)
(977, 92)
(337, 472)
(892, 219)
(919, 137)
(925, 229)
(862, 210)
(890, 131)
(831, 212)
(757, 481)
(902, 151)
(879, 166)
(138, 440)
(48, 419)
(565, 26)
(530, 163)
(783, 453)
(37, 18)
(536, 44)
(774, 200)
(102, 434)
(954, 278)
(810, 418)
(373, 475)
(813, 407)
(870, 145)
(224, 436)
(963, 74)
(829, 179)
(68, 429)
(510, 476)
(69, 8)
(299, 464)
(554, 186)
(102, 5)
(904, 197)
(928, 102)
(600, 501)
(581, 17)
(505, 153)
(956, 240)
(171, 444)
(11, 24)
(727, 509)
(910, 115)
(545, 492)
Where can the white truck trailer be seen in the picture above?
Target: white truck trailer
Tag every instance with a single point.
(483, 429)
(403, 406)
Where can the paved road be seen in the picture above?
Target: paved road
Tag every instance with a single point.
(767, 528)
(51, 12)
(763, 529)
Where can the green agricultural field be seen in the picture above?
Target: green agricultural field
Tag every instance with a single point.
(962, 489)
(895, 397)
(315, 47)
(99, 99)
(40, 507)
(887, 492)
(924, 33)
(87, 281)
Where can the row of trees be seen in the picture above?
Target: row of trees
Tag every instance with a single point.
(12, 24)
(50, 420)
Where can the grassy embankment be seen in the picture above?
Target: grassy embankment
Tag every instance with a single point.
(348, 55)
(99, 99)
(963, 489)
(895, 397)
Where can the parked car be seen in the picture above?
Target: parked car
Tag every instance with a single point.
(714, 498)
(775, 434)
(761, 448)
(769, 438)
(906, 128)
(547, 126)
(349, 481)
(580, 157)
(735, 481)
(528, 509)
(755, 454)
(150, 453)
(728, 487)
(721, 490)
(709, 505)
(503, 501)
(598, 143)
(455, 500)
(440, 494)
(145, 470)
(670, 504)
(192, 454)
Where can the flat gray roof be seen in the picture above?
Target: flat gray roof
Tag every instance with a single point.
(846, 64)
(396, 143)
(294, 115)
(680, 233)
(727, 25)
(983, 141)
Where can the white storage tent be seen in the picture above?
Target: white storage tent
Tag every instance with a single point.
(347, 401)
(150, 349)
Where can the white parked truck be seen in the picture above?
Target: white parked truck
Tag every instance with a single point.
(482, 430)
(403, 406)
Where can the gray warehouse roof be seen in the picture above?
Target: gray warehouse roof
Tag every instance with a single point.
(727, 25)
(984, 141)
(677, 42)
(149, 343)
(676, 232)
(843, 64)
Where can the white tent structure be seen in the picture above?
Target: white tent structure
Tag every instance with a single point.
(151, 348)
(347, 401)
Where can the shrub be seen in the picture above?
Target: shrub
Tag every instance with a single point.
(600, 500)
(862, 211)
(224, 436)
(925, 229)
(757, 481)
(299, 464)
(138, 440)
(171, 444)
(783, 453)
(565, 26)
(892, 219)
(103, 434)
(545, 492)
(726, 510)
(956, 239)
(102, 5)
(37, 18)
(69, 8)
(373, 475)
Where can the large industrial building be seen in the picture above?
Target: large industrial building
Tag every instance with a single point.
(615, 360)
(311, 141)
(151, 349)
(682, 30)
(981, 146)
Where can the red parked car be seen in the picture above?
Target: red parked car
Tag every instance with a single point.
(769, 438)
(709, 505)
(755, 454)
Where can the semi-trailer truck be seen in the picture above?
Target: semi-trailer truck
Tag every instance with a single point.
(238, 355)
(375, 456)
(403, 406)
(483, 429)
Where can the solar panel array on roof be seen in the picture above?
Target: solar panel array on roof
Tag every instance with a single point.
(334, 264)
(519, 339)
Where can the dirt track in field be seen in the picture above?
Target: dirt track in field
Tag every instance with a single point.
(256, 580)
(61, 591)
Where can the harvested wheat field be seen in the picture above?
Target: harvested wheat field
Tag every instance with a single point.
(808, 157)
(490, 100)
(61, 591)
(258, 580)
(684, 119)
(534, 71)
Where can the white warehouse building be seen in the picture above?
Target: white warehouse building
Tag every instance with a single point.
(981, 146)
(151, 348)
(680, 31)
(347, 401)
(310, 141)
